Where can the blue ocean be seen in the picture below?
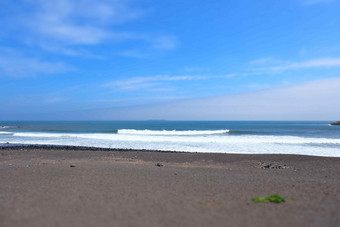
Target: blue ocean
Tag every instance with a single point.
(243, 137)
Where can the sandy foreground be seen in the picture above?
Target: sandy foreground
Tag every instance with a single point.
(77, 187)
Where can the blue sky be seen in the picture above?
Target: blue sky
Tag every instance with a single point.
(61, 57)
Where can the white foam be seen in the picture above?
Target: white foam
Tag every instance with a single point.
(6, 133)
(216, 143)
(171, 132)
(246, 139)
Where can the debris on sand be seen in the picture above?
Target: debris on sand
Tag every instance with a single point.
(274, 198)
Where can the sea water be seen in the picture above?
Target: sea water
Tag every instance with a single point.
(244, 137)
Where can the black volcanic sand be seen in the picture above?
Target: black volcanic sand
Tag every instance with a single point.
(82, 187)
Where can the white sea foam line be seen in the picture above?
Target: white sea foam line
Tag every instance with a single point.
(227, 139)
(6, 133)
(171, 132)
(207, 148)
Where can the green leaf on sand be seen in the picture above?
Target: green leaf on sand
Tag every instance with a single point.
(275, 198)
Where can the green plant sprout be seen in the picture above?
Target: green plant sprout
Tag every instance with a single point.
(275, 198)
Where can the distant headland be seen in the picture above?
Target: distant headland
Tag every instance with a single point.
(335, 123)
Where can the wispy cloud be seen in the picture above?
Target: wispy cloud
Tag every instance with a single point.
(80, 22)
(314, 2)
(18, 66)
(156, 44)
(315, 63)
(145, 98)
(316, 100)
(73, 52)
(137, 83)
(67, 25)
(259, 66)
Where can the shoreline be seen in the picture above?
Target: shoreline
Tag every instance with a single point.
(82, 187)
(71, 147)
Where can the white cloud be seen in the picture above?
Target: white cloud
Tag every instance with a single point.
(72, 23)
(74, 34)
(315, 63)
(74, 52)
(16, 66)
(80, 22)
(317, 100)
(156, 43)
(137, 83)
(138, 99)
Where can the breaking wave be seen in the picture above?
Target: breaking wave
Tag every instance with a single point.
(216, 141)
(171, 132)
(6, 133)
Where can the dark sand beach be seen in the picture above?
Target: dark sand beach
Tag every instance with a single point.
(79, 187)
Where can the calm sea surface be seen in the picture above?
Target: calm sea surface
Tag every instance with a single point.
(249, 137)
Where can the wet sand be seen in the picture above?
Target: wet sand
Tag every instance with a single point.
(79, 187)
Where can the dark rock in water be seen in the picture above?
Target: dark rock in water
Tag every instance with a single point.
(159, 164)
(72, 165)
(336, 123)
